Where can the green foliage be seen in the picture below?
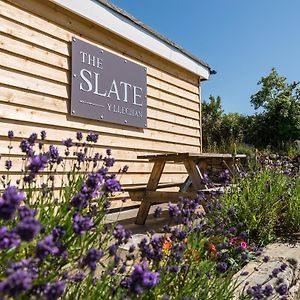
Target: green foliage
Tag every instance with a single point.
(280, 120)
(267, 202)
(276, 126)
(220, 130)
(211, 121)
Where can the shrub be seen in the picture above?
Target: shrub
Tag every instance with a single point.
(267, 200)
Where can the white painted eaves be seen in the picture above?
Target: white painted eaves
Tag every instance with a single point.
(115, 22)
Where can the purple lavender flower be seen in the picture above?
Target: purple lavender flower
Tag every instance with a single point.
(53, 155)
(112, 185)
(16, 283)
(10, 134)
(25, 211)
(174, 269)
(68, 143)
(157, 212)
(125, 169)
(8, 164)
(81, 157)
(109, 161)
(282, 289)
(8, 239)
(140, 279)
(58, 232)
(106, 204)
(37, 163)
(32, 138)
(91, 258)
(81, 223)
(28, 228)
(255, 291)
(225, 177)
(43, 135)
(174, 211)
(131, 249)
(119, 233)
(268, 290)
(205, 179)
(79, 201)
(54, 290)
(96, 158)
(26, 147)
(79, 136)
(112, 250)
(28, 265)
(108, 151)
(283, 266)
(78, 277)
(46, 246)
(231, 211)
(266, 259)
(222, 267)
(275, 272)
(92, 137)
(9, 202)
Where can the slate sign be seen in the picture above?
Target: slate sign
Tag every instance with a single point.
(107, 87)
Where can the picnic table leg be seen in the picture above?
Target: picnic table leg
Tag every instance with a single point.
(143, 212)
(151, 186)
(194, 173)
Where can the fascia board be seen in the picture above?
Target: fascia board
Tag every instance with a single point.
(118, 24)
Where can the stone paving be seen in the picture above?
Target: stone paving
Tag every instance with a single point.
(260, 271)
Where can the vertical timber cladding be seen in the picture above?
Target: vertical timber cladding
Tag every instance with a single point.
(107, 87)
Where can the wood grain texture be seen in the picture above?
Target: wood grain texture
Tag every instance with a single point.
(35, 55)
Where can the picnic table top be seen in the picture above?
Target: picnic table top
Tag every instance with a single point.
(184, 155)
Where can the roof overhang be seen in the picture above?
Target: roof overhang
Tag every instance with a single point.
(116, 22)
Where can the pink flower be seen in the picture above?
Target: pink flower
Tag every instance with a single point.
(244, 244)
(233, 241)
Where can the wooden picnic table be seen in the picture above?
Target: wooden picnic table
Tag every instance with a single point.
(149, 194)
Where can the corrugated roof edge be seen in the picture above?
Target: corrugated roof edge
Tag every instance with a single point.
(155, 33)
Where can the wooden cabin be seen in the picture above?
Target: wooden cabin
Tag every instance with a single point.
(37, 79)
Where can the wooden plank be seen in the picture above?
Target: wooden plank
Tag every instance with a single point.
(61, 120)
(194, 173)
(174, 99)
(11, 61)
(77, 25)
(177, 110)
(126, 179)
(165, 197)
(155, 175)
(172, 79)
(171, 89)
(152, 184)
(133, 167)
(17, 79)
(34, 52)
(14, 13)
(153, 125)
(16, 94)
(64, 120)
(192, 156)
(24, 33)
